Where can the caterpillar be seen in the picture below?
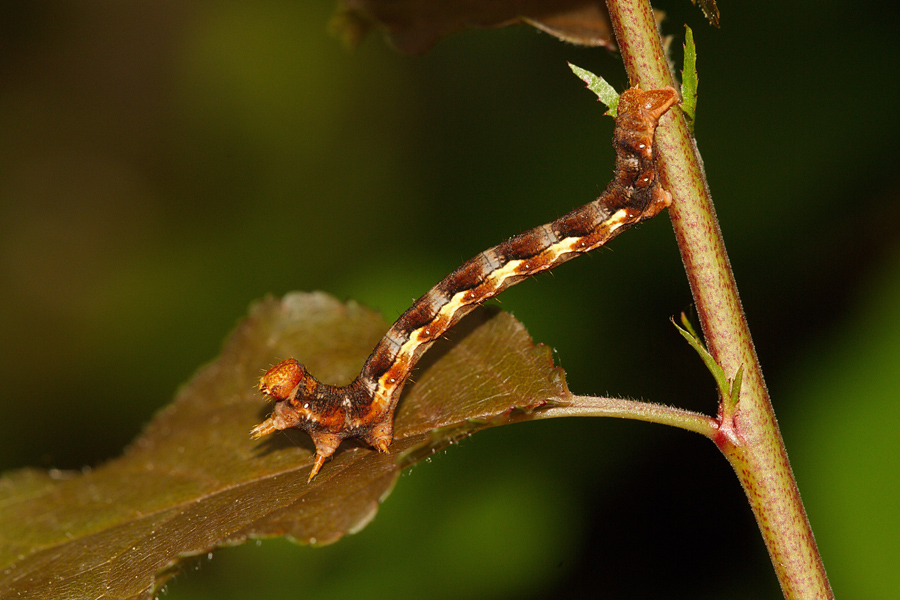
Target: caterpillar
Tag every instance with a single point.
(364, 409)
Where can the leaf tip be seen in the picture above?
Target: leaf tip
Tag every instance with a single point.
(735, 387)
(605, 92)
(689, 79)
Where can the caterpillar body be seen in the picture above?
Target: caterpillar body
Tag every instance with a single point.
(364, 408)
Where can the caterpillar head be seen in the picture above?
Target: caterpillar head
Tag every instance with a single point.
(282, 381)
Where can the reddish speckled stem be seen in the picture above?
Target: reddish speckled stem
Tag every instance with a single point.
(747, 433)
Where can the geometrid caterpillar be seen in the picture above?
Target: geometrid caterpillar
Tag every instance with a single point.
(364, 409)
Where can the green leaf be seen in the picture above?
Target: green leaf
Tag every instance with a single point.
(689, 80)
(194, 480)
(605, 92)
(728, 391)
(734, 394)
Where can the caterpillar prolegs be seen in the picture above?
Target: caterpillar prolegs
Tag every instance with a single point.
(364, 409)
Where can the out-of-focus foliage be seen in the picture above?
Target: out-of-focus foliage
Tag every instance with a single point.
(847, 445)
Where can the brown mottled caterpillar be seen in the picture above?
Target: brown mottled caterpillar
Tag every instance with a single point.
(364, 409)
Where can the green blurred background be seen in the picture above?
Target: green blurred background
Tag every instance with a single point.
(163, 164)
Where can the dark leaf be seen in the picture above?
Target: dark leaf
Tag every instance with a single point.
(414, 26)
(194, 480)
(710, 10)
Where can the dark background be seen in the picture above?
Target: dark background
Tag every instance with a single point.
(163, 164)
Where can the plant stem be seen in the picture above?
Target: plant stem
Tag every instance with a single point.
(590, 406)
(747, 433)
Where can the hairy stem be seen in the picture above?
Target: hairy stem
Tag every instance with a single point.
(591, 406)
(747, 432)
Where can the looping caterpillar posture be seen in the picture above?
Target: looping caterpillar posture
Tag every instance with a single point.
(365, 408)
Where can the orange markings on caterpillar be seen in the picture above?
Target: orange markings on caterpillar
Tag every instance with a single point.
(364, 409)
